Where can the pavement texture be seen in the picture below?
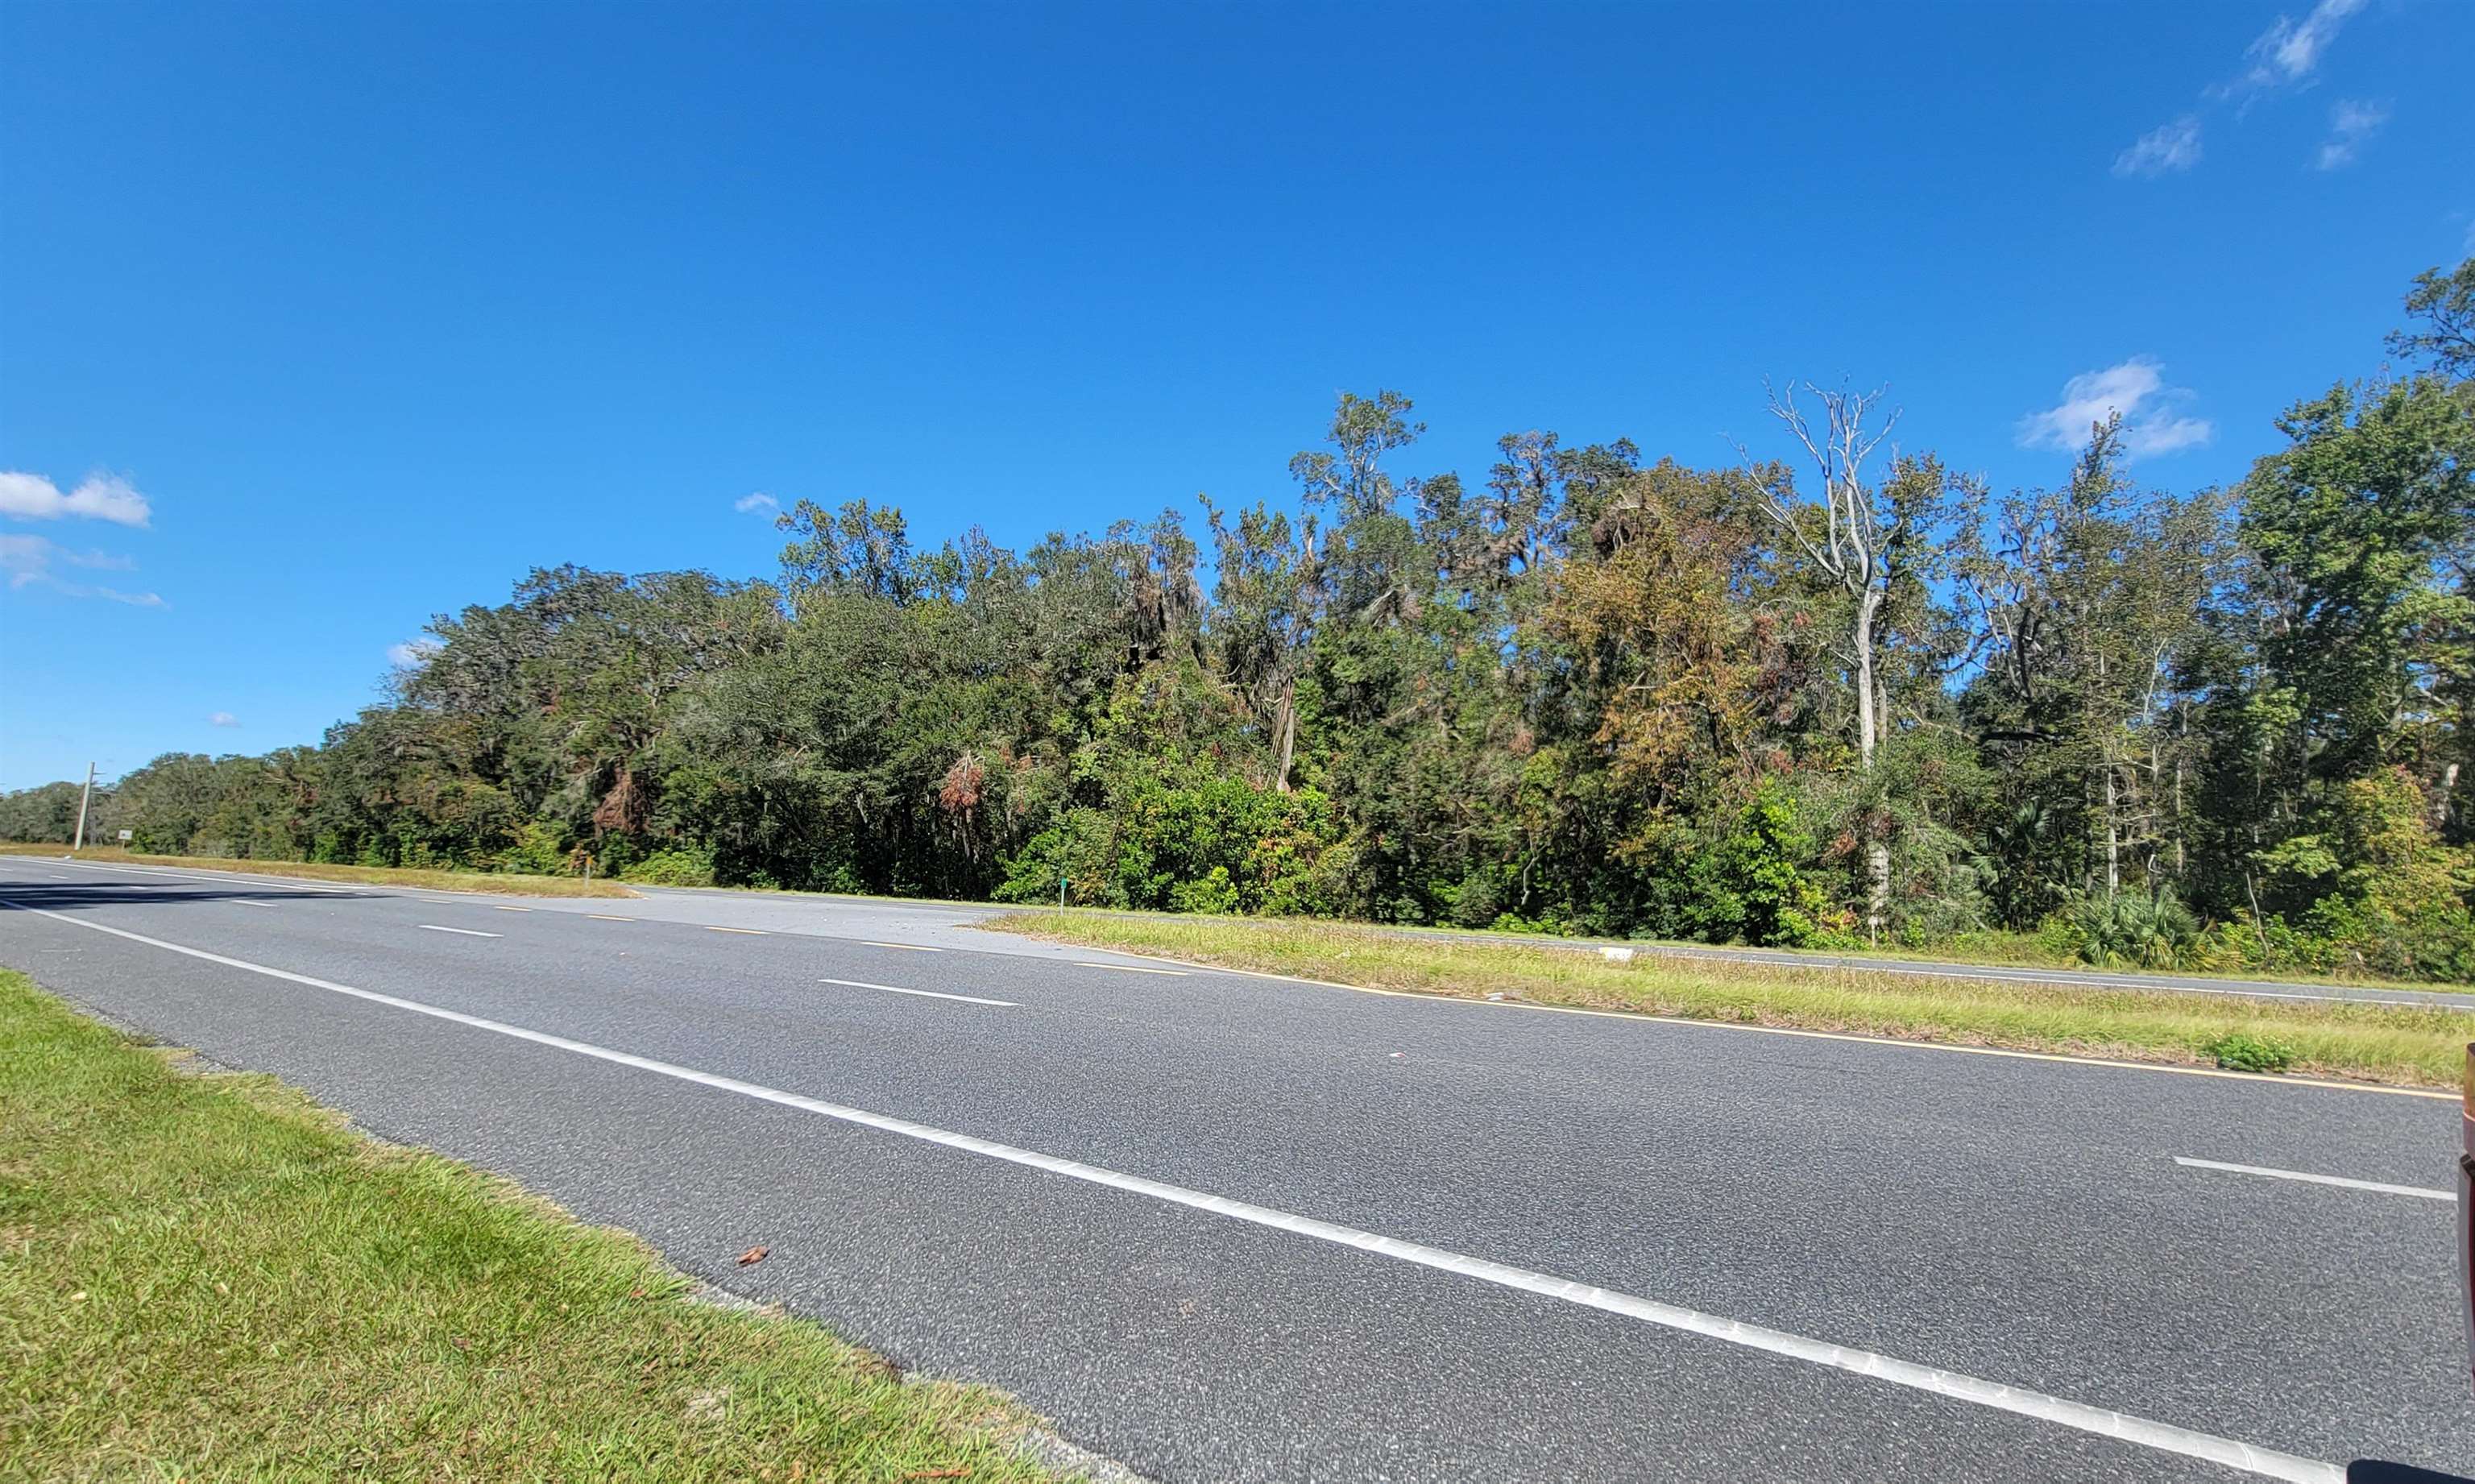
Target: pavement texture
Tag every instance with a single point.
(2015, 1220)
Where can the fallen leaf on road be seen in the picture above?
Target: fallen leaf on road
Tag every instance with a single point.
(753, 1255)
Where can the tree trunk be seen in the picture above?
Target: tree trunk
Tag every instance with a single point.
(1289, 726)
(1877, 851)
(2113, 837)
(2182, 866)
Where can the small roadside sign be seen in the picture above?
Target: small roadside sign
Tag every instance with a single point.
(126, 834)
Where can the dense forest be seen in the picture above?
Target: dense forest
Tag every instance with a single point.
(1846, 694)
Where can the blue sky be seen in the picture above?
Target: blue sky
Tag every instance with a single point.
(317, 320)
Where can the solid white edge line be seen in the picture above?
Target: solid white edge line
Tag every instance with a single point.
(431, 925)
(242, 901)
(226, 877)
(2165, 1437)
(933, 994)
(2381, 1187)
(1131, 969)
(905, 947)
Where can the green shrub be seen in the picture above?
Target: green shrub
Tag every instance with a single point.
(677, 867)
(2239, 1050)
(1750, 885)
(2129, 928)
(1213, 893)
(1514, 922)
(537, 852)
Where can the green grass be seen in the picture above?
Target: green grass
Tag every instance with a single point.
(507, 885)
(1989, 948)
(1986, 948)
(2379, 1044)
(208, 1278)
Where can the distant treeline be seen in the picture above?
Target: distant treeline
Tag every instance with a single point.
(1851, 696)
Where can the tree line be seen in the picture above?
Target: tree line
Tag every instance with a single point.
(1847, 695)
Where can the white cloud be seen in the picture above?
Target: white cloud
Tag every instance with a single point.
(412, 652)
(2163, 149)
(99, 497)
(29, 560)
(2287, 52)
(25, 558)
(2285, 57)
(223, 719)
(752, 504)
(2350, 124)
(2136, 389)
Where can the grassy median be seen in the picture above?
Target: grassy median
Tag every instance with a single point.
(2371, 1042)
(207, 1276)
(507, 885)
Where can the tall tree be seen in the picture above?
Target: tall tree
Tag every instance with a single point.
(1869, 537)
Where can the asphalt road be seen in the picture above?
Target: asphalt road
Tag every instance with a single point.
(1228, 1227)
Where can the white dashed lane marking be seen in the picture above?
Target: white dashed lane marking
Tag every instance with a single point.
(2377, 1187)
(932, 994)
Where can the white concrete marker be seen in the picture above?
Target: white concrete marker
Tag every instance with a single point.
(933, 995)
(2379, 1187)
(2165, 1437)
(464, 932)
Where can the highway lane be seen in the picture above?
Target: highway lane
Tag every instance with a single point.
(2021, 1221)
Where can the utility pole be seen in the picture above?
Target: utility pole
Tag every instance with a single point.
(83, 799)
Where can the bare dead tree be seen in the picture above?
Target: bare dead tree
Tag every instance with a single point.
(1856, 547)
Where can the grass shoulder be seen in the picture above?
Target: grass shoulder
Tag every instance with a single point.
(500, 883)
(1985, 949)
(2401, 1045)
(207, 1277)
